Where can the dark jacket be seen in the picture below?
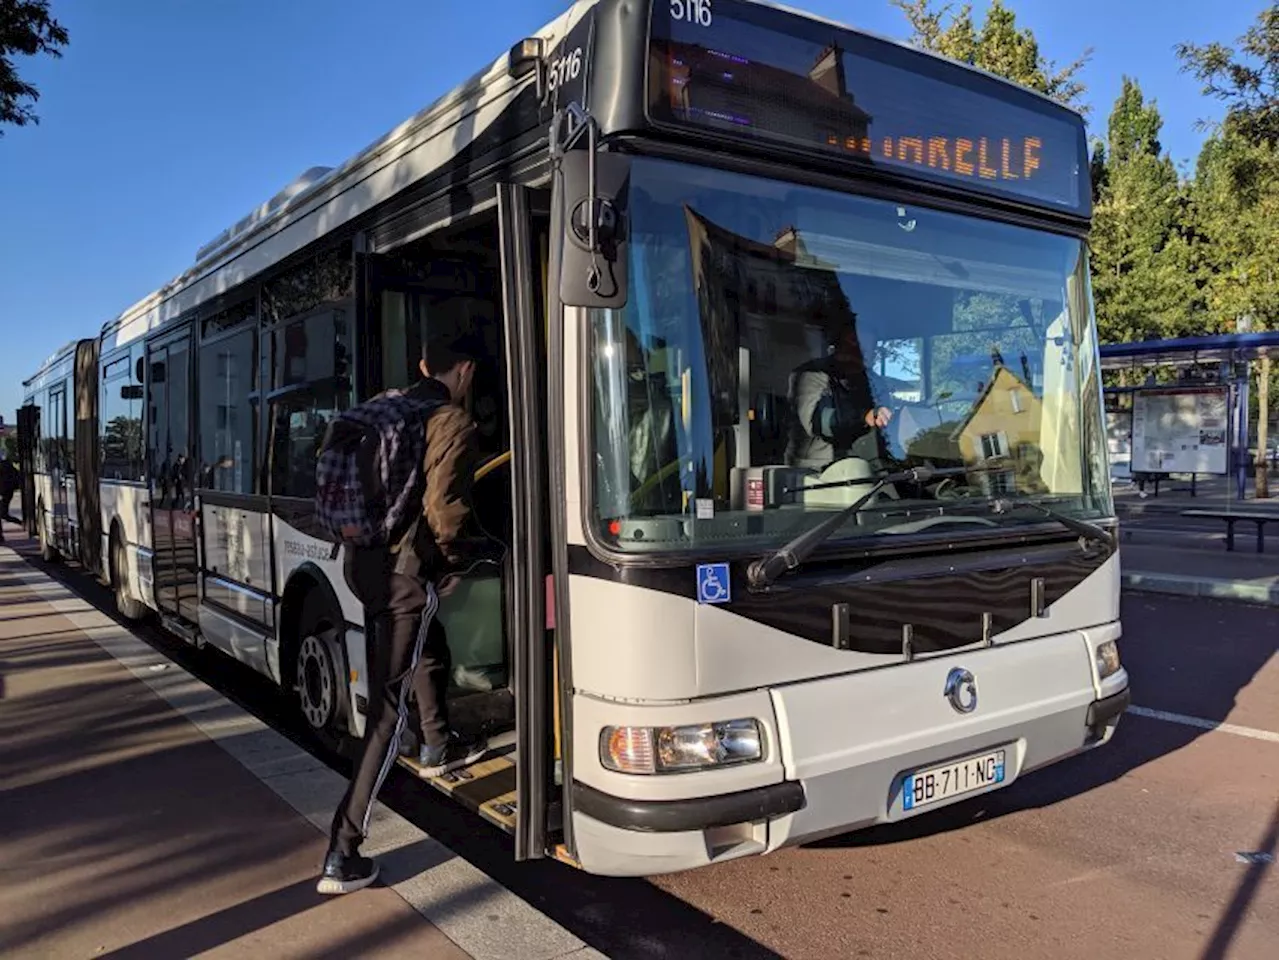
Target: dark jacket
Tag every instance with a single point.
(829, 410)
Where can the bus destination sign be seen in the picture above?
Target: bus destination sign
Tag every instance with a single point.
(763, 74)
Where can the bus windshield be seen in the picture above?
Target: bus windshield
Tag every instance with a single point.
(783, 346)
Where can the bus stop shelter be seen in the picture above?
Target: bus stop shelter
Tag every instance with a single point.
(1221, 360)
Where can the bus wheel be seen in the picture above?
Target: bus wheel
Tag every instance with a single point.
(128, 606)
(48, 552)
(319, 678)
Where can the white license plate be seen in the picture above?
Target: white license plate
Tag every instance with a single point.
(923, 787)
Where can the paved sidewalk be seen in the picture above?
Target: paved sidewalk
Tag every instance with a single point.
(147, 816)
(1243, 576)
(1198, 565)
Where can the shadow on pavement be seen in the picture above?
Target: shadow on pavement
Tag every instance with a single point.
(627, 919)
(221, 927)
(1247, 889)
(242, 920)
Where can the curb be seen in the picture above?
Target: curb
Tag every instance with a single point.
(1242, 591)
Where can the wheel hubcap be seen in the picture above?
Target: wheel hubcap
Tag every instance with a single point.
(315, 682)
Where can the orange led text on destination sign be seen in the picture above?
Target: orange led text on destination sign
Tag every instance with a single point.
(987, 159)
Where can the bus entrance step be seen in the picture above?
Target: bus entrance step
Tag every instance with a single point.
(177, 625)
(487, 787)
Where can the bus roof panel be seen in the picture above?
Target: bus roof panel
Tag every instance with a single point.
(410, 152)
(53, 366)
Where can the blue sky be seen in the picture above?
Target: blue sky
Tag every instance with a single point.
(166, 122)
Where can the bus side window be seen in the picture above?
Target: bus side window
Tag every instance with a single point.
(310, 364)
(120, 421)
(309, 311)
(228, 413)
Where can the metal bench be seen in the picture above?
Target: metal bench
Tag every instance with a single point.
(1231, 517)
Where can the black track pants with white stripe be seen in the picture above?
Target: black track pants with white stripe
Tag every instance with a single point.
(406, 654)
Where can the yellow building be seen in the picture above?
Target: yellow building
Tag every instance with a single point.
(1004, 425)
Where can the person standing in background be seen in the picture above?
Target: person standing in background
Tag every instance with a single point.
(9, 482)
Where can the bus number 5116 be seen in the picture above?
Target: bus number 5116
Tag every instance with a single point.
(692, 11)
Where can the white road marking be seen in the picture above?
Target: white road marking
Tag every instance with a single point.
(1255, 856)
(1203, 724)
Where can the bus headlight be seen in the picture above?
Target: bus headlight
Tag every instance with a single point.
(699, 746)
(1107, 657)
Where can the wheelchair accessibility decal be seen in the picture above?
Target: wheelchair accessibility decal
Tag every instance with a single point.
(713, 583)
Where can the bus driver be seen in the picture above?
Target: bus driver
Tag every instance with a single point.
(834, 400)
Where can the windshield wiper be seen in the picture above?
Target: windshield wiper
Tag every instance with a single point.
(790, 555)
(1090, 531)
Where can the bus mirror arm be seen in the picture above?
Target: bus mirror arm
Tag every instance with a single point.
(593, 200)
(593, 190)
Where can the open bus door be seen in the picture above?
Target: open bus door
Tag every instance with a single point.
(524, 216)
(480, 269)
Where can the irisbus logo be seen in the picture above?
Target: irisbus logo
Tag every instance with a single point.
(961, 690)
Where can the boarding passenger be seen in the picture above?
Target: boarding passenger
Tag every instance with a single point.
(406, 647)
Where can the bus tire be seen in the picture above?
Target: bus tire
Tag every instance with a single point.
(127, 605)
(48, 552)
(318, 671)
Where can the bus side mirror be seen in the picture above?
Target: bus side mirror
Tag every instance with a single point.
(593, 265)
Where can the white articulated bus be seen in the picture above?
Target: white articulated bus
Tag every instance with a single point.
(791, 414)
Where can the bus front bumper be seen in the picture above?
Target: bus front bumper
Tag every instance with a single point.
(852, 745)
(617, 836)
(621, 837)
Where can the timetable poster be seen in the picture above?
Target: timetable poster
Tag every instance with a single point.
(1181, 430)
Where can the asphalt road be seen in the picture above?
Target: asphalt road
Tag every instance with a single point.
(1126, 852)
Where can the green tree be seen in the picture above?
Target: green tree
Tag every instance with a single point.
(1246, 80)
(26, 29)
(1236, 199)
(1235, 211)
(1141, 260)
(996, 45)
(1235, 196)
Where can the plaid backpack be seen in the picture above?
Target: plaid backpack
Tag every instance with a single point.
(369, 476)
